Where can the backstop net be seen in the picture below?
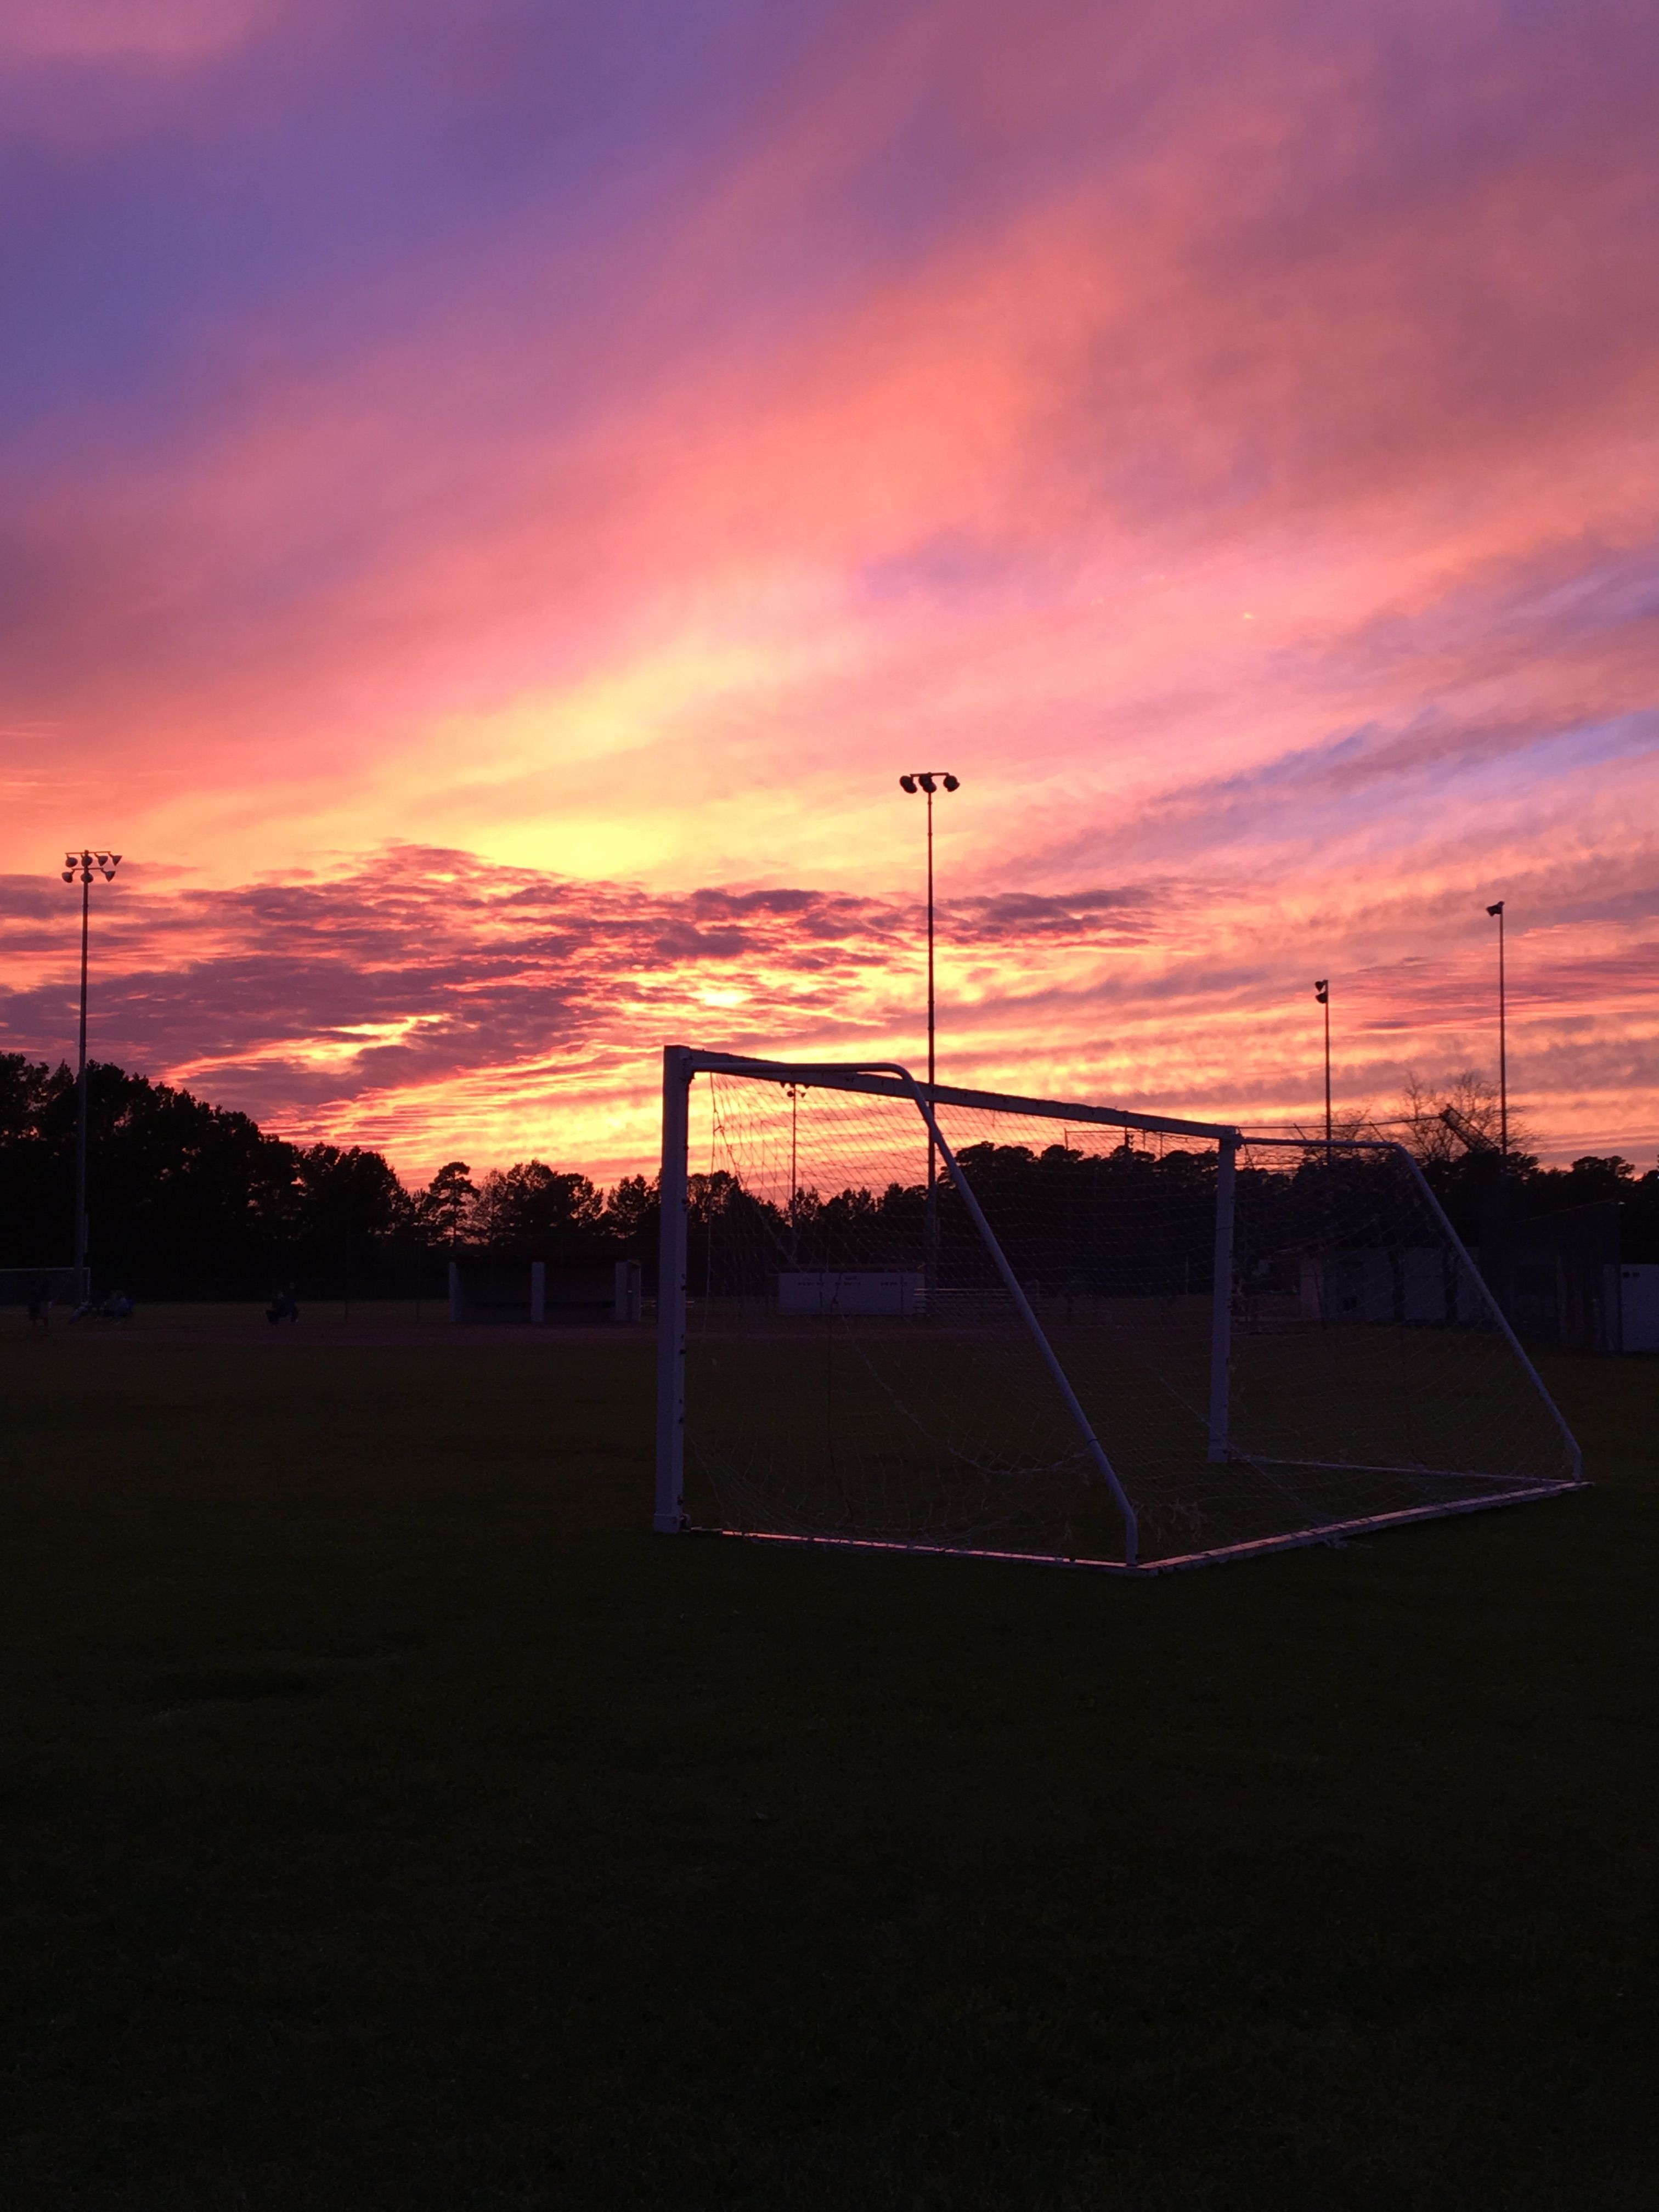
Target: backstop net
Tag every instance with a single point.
(948, 1320)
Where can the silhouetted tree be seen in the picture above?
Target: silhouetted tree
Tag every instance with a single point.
(179, 1187)
(351, 1207)
(176, 1187)
(633, 1214)
(172, 1182)
(1594, 1178)
(552, 1214)
(443, 1211)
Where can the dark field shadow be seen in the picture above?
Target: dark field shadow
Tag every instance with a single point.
(392, 1821)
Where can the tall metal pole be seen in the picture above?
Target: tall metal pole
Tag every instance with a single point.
(670, 1517)
(931, 1066)
(928, 780)
(1503, 1041)
(929, 1226)
(930, 1270)
(1322, 993)
(794, 1176)
(1502, 1044)
(1221, 1302)
(82, 865)
(81, 1091)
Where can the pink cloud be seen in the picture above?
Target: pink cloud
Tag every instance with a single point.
(127, 30)
(1221, 433)
(433, 1005)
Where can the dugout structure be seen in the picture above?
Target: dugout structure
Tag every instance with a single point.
(491, 1289)
(917, 1318)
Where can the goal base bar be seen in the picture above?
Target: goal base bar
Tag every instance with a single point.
(1334, 1532)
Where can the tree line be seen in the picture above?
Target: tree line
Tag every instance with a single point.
(1454, 1131)
(177, 1189)
(180, 1188)
(1128, 1220)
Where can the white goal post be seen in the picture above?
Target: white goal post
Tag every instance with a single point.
(906, 1316)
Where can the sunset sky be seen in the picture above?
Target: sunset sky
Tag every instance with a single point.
(494, 495)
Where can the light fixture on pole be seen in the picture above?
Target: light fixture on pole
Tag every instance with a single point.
(80, 866)
(1323, 993)
(1496, 912)
(928, 780)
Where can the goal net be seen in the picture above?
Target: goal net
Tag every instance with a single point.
(43, 1287)
(949, 1319)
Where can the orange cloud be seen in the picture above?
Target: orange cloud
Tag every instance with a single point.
(432, 1005)
(1220, 434)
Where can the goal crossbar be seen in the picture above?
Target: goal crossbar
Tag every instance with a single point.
(887, 1079)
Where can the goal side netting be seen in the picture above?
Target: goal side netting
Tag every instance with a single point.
(949, 1320)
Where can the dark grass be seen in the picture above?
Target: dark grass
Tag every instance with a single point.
(955, 1435)
(389, 1820)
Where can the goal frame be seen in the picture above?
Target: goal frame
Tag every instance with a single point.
(682, 1063)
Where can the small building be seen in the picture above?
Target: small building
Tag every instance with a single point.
(1410, 1282)
(485, 1288)
(853, 1291)
(1638, 1308)
(1558, 1276)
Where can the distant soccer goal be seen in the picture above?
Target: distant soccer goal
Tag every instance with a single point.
(41, 1287)
(947, 1319)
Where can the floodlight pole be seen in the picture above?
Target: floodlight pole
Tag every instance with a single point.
(670, 1517)
(80, 865)
(1323, 993)
(928, 780)
(1220, 1444)
(794, 1174)
(80, 1103)
(1496, 910)
(932, 1062)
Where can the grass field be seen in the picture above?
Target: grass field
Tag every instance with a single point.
(391, 1821)
(948, 1430)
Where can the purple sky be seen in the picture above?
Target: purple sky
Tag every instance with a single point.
(493, 497)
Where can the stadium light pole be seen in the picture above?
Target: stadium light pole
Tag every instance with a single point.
(80, 866)
(928, 780)
(793, 1089)
(1496, 912)
(1323, 993)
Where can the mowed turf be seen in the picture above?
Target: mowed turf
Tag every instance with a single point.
(391, 1820)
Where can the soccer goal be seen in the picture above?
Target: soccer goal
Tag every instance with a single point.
(924, 1318)
(44, 1287)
